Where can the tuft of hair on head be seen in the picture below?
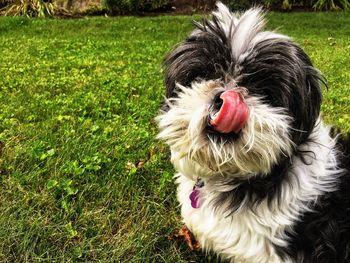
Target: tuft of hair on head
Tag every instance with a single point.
(213, 48)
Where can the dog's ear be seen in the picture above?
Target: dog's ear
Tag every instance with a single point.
(307, 97)
(312, 91)
(203, 55)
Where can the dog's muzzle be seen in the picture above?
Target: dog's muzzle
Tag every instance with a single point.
(228, 112)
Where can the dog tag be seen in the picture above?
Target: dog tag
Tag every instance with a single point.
(194, 197)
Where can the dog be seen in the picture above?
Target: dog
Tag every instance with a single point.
(259, 176)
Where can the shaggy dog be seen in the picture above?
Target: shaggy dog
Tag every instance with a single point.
(259, 178)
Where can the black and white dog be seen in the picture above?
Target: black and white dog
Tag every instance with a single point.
(260, 179)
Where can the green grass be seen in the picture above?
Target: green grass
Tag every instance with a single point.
(81, 176)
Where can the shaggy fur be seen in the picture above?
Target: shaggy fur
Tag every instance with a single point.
(277, 191)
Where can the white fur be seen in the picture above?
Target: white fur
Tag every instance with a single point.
(246, 236)
(227, 20)
(262, 141)
(240, 29)
(249, 24)
(244, 31)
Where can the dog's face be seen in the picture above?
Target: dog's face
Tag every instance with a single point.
(239, 99)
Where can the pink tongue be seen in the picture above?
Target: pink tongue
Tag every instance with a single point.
(232, 115)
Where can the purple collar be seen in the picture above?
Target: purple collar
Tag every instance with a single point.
(194, 196)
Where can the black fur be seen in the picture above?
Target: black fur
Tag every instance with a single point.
(251, 192)
(203, 55)
(323, 235)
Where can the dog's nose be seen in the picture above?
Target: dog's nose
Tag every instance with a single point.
(228, 112)
(215, 106)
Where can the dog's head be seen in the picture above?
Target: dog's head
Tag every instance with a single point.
(239, 99)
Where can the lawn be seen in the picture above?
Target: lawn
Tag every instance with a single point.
(82, 177)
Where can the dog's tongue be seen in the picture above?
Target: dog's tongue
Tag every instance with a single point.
(232, 115)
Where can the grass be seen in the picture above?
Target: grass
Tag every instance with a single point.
(81, 176)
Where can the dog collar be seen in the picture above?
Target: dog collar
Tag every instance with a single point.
(194, 195)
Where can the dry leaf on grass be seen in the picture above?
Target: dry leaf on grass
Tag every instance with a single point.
(185, 234)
